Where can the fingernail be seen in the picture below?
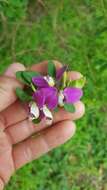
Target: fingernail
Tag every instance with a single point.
(13, 68)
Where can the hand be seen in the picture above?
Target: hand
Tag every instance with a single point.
(17, 145)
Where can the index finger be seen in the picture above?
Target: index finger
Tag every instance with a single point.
(8, 84)
(7, 91)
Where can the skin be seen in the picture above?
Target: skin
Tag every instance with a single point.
(20, 140)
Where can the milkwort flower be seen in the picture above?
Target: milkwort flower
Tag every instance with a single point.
(65, 95)
(45, 101)
(46, 81)
(46, 93)
(69, 95)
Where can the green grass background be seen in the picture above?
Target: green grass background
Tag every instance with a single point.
(75, 33)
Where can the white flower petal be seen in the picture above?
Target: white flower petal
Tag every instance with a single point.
(49, 122)
(34, 110)
(47, 113)
(50, 80)
(61, 99)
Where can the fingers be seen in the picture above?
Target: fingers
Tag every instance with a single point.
(64, 115)
(7, 91)
(13, 68)
(48, 139)
(26, 127)
(22, 130)
(21, 114)
(15, 113)
(8, 86)
(22, 111)
(74, 75)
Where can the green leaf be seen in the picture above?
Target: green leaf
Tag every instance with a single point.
(56, 109)
(51, 69)
(36, 121)
(79, 83)
(69, 107)
(33, 87)
(64, 80)
(22, 95)
(19, 76)
(26, 76)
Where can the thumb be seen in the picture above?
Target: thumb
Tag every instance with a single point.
(8, 84)
(13, 68)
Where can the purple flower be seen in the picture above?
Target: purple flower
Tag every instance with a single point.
(46, 81)
(69, 95)
(43, 82)
(40, 82)
(72, 95)
(45, 99)
(46, 93)
(46, 96)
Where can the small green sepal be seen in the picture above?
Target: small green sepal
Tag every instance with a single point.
(69, 107)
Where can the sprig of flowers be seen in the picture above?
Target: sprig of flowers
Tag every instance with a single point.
(45, 94)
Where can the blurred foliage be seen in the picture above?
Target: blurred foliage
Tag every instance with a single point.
(75, 33)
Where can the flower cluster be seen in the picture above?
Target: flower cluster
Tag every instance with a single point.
(45, 94)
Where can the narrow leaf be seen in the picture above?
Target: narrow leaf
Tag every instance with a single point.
(79, 83)
(56, 110)
(28, 75)
(64, 79)
(33, 87)
(22, 95)
(51, 69)
(69, 107)
(19, 76)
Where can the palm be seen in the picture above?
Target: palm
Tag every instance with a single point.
(17, 130)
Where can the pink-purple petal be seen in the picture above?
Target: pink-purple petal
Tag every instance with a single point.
(72, 95)
(60, 72)
(39, 98)
(46, 96)
(51, 98)
(52, 102)
(39, 81)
